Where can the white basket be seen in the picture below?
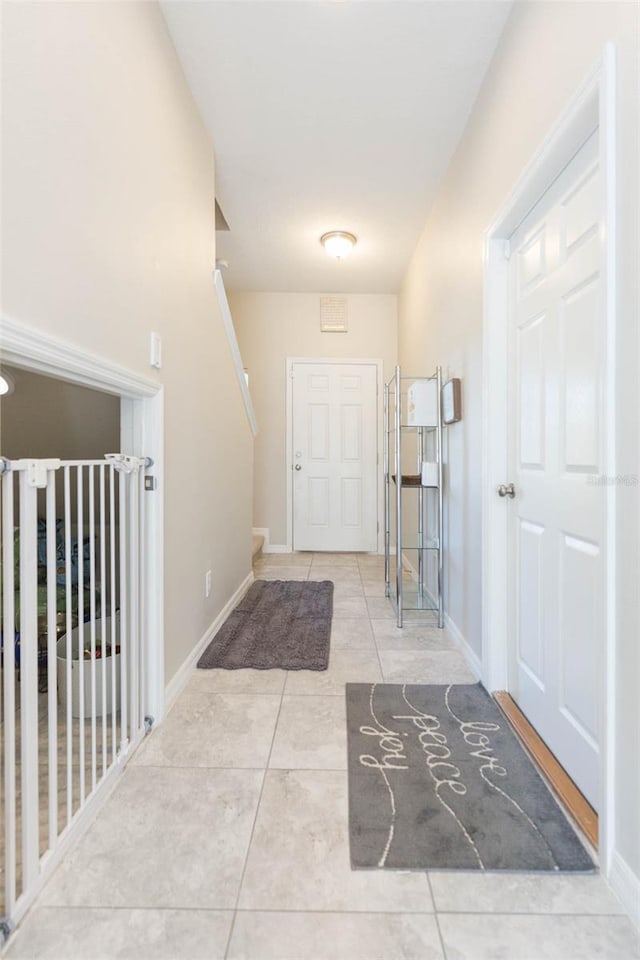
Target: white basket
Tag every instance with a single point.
(102, 665)
(429, 473)
(422, 404)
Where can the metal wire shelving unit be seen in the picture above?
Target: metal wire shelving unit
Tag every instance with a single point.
(416, 590)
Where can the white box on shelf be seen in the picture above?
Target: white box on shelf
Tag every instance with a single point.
(422, 404)
(429, 473)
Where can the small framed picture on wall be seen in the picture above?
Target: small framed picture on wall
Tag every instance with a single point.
(452, 401)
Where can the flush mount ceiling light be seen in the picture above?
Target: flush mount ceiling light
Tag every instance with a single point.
(6, 384)
(338, 243)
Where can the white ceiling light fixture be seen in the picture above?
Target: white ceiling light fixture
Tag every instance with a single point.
(6, 384)
(338, 243)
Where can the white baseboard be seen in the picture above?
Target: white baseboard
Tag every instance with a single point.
(267, 546)
(473, 660)
(626, 886)
(180, 678)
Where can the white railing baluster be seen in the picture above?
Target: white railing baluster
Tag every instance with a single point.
(124, 611)
(142, 635)
(80, 572)
(52, 664)
(92, 608)
(103, 616)
(68, 590)
(134, 630)
(9, 678)
(112, 567)
(29, 680)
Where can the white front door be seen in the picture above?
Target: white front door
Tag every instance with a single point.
(557, 517)
(334, 463)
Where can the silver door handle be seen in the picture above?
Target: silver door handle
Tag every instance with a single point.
(506, 490)
(298, 466)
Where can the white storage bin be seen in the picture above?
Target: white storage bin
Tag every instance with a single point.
(422, 404)
(429, 473)
(103, 665)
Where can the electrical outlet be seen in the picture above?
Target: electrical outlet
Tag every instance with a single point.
(207, 583)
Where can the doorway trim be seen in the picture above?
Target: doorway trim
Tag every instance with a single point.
(289, 437)
(141, 434)
(592, 107)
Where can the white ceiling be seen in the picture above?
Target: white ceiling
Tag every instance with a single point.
(330, 116)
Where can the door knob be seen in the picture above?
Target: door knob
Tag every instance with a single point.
(298, 466)
(506, 490)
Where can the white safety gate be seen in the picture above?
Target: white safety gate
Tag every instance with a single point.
(73, 651)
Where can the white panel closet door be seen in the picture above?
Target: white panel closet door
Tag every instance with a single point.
(557, 517)
(334, 456)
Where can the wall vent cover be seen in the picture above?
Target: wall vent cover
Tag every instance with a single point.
(333, 314)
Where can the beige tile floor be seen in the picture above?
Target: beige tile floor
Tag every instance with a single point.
(227, 834)
(68, 779)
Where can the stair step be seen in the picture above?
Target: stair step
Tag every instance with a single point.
(257, 544)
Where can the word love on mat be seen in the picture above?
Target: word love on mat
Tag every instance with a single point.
(437, 780)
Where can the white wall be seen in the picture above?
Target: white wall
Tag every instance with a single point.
(274, 326)
(107, 231)
(545, 53)
(44, 417)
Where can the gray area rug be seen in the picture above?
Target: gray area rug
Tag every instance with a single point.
(437, 780)
(282, 624)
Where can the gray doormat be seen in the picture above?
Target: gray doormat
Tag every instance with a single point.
(282, 624)
(437, 780)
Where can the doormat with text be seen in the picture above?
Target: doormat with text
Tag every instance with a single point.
(437, 780)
